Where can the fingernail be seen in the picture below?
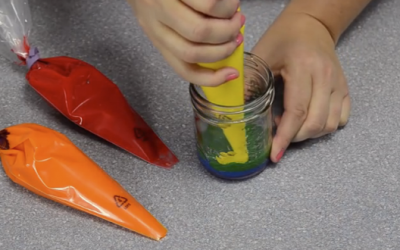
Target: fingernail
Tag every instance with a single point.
(242, 20)
(239, 39)
(231, 76)
(279, 155)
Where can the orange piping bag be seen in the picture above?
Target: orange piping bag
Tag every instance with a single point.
(89, 99)
(50, 165)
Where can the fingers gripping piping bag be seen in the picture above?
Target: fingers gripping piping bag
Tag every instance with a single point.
(231, 94)
(79, 91)
(50, 165)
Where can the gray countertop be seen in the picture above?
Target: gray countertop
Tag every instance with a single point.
(338, 192)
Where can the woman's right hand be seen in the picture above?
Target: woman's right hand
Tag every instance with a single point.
(187, 32)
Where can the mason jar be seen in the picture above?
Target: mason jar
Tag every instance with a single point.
(213, 121)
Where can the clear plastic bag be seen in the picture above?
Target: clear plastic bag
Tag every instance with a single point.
(15, 26)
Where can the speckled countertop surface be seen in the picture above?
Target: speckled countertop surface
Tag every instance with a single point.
(339, 192)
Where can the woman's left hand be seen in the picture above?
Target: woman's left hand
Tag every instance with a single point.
(316, 99)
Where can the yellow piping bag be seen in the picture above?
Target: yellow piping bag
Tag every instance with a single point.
(231, 94)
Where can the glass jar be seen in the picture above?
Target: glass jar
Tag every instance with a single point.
(254, 117)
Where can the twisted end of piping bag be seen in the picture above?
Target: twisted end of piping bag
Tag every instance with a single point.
(48, 164)
(228, 94)
(4, 145)
(33, 56)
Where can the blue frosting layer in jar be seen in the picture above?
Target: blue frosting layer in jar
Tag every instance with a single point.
(238, 175)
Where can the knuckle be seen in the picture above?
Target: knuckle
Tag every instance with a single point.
(345, 90)
(314, 127)
(227, 51)
(209, 7)
(308, 60)
(330, 128)
(218, 8)
(328, 70)
(300, 112)
(142, 22)
(152, 3)
(342, 78)
(304, 57)
(200, 32)
(233, 35)
(189, 54)
(343, 121)
(185, 76)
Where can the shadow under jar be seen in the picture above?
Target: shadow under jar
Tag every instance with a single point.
(254, 117)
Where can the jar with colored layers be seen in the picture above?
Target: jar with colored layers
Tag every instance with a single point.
(251, 124)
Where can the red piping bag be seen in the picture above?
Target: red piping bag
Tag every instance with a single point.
(80, 92)
(89, 99)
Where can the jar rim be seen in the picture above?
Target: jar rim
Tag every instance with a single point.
(267, 96)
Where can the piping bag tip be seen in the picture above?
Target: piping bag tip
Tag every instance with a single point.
(48, 164)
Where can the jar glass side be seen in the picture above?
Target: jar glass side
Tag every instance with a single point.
(255, 117)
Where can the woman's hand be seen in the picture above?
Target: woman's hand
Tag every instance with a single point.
(187, 32)
(316, 99)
